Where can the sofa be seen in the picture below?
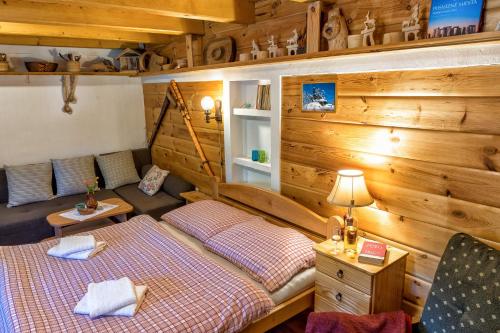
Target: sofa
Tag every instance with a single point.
(28, 223)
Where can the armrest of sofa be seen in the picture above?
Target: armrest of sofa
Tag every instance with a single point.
(175, 185)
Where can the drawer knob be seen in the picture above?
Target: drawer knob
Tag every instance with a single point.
(338, 297)
(340, 274)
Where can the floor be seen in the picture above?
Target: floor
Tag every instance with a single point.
(295, 324)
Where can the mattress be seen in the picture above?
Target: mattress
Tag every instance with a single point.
(300, 282)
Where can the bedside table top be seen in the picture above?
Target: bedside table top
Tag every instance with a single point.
(194, 196)
(393, 254)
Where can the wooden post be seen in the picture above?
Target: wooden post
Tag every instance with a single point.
(187, 120)
(189, 50)
(314, 27)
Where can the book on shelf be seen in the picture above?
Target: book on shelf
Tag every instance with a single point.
(372, 253)
(263, 97)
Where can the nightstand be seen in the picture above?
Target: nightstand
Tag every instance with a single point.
(345, 285)
(194, 196)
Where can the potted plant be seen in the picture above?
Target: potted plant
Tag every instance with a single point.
(92, 187)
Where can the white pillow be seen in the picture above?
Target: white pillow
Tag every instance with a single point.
(153, 180)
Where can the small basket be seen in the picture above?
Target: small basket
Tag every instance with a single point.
(4, 66)
(73, 66)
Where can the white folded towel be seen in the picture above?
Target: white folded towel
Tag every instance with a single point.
(109, 296)
(128, 311)
(72, 244)
(84, 255)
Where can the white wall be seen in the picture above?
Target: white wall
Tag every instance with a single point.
(108, 116)
(425, 58)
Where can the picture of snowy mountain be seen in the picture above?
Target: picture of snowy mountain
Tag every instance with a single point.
(318, 97)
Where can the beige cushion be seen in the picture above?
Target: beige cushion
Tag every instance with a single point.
(118, 169)
(29, 183)
(71, 173)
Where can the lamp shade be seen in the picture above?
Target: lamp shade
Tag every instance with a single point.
(350, 190)
(207, 103)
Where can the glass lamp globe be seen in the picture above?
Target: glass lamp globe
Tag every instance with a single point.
(207, 103)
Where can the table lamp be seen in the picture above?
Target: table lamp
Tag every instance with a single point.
(350, 191)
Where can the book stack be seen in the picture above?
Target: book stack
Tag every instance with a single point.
(263, 96)
(372, 253)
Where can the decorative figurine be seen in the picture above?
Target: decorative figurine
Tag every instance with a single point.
(498, 26)
(367, 32)
(335, 30)
(255, 50)
(411, 27)
(273, 48)
(292, 43)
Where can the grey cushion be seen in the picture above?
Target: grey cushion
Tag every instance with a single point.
(155, 205)
(175, 185)
(465, 293)
(28, 223)
(70, 174)
(29, 183)
(118, 169)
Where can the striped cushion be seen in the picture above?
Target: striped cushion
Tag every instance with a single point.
(29, 183)
(118, 169)
(71, 172)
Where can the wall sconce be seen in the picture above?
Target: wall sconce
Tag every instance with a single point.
(207, 104)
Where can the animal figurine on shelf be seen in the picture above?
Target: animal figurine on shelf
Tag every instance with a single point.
(367, 32)
(255, 50)
(335, 30)
(411, 27)
(292, 44)
(273, 48)
(498, 26)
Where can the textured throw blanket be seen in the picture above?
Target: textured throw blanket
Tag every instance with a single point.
(187, 292)
(336, 322)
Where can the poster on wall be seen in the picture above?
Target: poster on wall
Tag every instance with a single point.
(319, 97)
(454, 17)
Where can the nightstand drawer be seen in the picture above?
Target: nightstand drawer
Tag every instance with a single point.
(322, 304)
(344, 273)
(341, 295)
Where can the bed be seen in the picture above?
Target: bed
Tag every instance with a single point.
(38, 293)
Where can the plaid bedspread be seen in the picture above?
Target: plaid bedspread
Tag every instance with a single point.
(187, 292)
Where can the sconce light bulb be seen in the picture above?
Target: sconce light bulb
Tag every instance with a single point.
(207, 103)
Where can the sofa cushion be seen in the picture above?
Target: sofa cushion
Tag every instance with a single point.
(28, 223)
(464, 294)
(175, 185)
(29, 183)
(118, 169)
(155, 205)
(153, 180)
(70, 174)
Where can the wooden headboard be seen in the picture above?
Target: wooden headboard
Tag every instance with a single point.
(275, 208)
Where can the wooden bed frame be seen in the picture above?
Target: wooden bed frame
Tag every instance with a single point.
(281, 211)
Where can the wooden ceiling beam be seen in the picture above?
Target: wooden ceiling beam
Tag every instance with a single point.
(235, 11)
(61, 31)
(65, 42)
(69, 13)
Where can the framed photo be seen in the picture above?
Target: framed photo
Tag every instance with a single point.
(319, 97)
(454, 18)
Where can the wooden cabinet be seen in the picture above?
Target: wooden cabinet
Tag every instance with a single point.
(345, 285)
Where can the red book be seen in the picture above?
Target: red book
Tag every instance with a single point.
(372, 253)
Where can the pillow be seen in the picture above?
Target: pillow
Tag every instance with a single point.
(206, 218)
(29, 183)
(152, 182)
(71, 172)
(270, 254)
(118, 169)
(175, 185)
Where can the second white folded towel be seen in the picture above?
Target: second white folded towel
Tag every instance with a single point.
(109, 296)
(77, 247)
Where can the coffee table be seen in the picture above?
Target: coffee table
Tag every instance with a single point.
(119, 213)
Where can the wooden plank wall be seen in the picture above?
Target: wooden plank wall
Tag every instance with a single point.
(173, 149)
(428, 142)
(280, 17)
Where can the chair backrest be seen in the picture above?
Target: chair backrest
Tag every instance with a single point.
(465, 294)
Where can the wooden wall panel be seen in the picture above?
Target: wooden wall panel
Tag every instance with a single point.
(280, 17)
(428, 142)
(173, 148)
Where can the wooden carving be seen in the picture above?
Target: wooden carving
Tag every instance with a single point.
(220, 50)
(335, 30)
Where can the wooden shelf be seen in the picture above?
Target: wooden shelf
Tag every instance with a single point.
(482, 37)
(252, 113)
(248, 163)
(67, 73)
